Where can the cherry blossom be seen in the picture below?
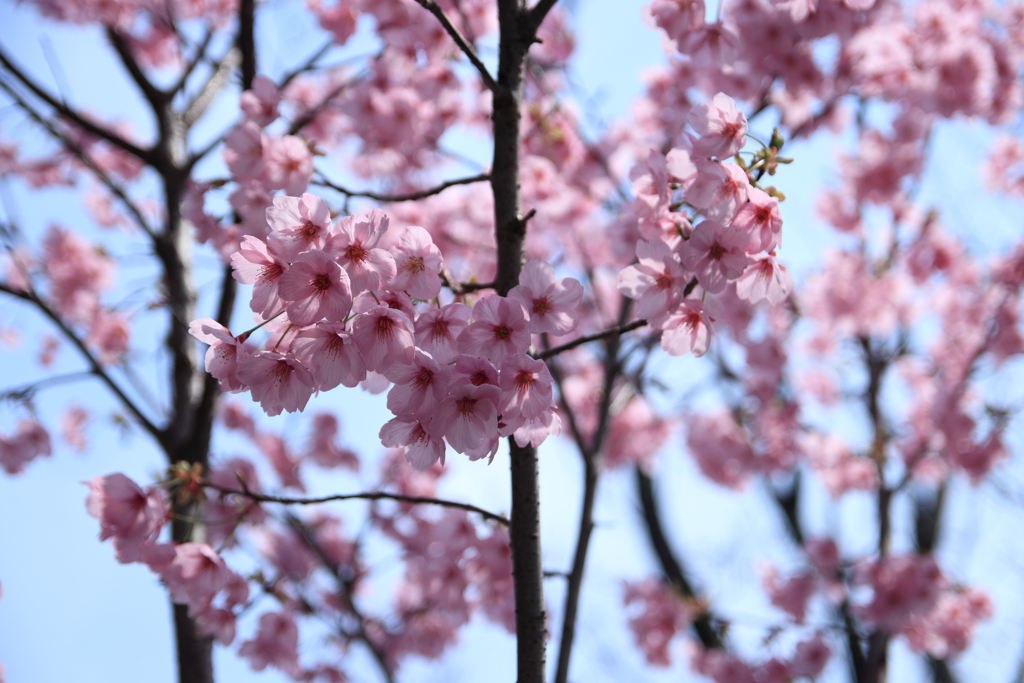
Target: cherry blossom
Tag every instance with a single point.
(551, 304)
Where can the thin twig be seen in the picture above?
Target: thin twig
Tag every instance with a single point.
(369, 495)
(94, 364)
(579, 341)
(197, 59)
(220, 77)
(77, 150)
(412, 196)
(147, 155)
(155, 96)
(461, 41)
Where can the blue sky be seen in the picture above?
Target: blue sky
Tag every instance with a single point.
(69, 612)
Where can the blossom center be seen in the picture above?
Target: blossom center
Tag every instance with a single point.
(465, 406)
(355, 252)
(716, 251)
(541, 305)
(502, 332)
(414, 264)
(524, 380)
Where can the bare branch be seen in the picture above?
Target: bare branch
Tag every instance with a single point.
(370, 495)
(154, 95)
(246, 41)
(197, 59)
(27, 390)
(94, 364)
(147, 155)
(76, 149)
(460, 40)
(305, 66)
(310, 114)
(579, 341)
(670, 566)
(535, 15)
(412, 196)
(345, 586)
(221, 74)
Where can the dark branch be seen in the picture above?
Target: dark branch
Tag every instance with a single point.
(153, 95)
(88, 126)
(412, 196)
(305, 66)
(197, 59)
(536, 14)
(370, 495)
(247, 41)
(76, 149)
(579, 341)
(670, 566)
(461, 41)
(94, 364)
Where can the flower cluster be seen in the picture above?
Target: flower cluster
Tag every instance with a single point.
(346, 302)
(679, 261)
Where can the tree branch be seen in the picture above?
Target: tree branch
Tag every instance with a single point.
(460, 40)
(370, 495)
(94, 364)
(345, 586)
(579, 341)
(412, 196)
(153, 95)
(146, 155)
(670, 566)
(218, 79)
(80, 153)
(536, 14)
(197, 59)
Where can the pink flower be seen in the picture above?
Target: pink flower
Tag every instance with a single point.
(129, 515)
(253, 264)
(385, 337)
(243, 151)
(525, 387)
(109, 333)
(721, 448)
(195, 576)
(764, 278)
(718, 188)
(297, 225)
(315, 288)
(331, 356)
(353, 242)
(419, 386)
(722, 128)
(656, 282)
(468, 417)
(222, 356)
(534, 430)
(288, 165)
(276, 644)
(687, 330)
(421, 449)
(791, 594)
(551, 304)
(277, 381)
(418, 262)
(73, 427)
(260, 103)
(760, 218)
(715, 254)
(811, 657)
(500, 329)
(655, 619)
(30, 442)
(438, 329)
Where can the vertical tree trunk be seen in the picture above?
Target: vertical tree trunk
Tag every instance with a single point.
(510, 232)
